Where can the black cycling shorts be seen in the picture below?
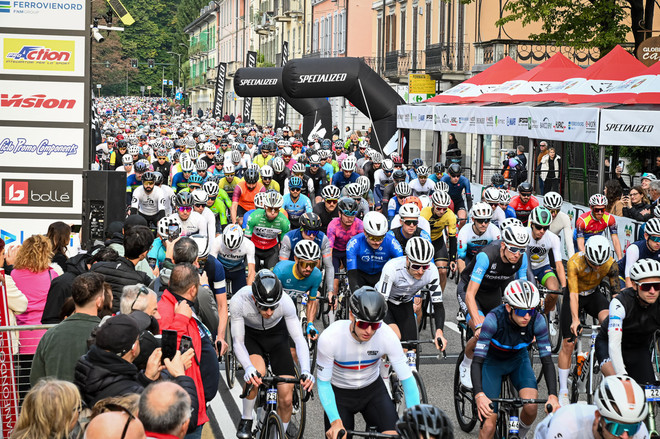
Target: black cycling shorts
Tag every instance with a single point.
(274, 343)
(636, 359)
(593, 304)
(441, 253)
(270, 257)
(338, 259)
(403, 316)
(372, 402)
(364, 279)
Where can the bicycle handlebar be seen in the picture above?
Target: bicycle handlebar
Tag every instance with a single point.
(519, 402)
(573, 337)
(365, 434)
(269, 381)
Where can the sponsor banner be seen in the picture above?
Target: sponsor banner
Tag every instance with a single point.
(42, 55)
(280, 117)
(42, 101)
(250, 62)
(460, 119)
(220, 90)
(41, 147)
(415, 117)
(44, 14)
(9, 401)
(629, 127)
(15, 231)
(41, 193)
(569, 124)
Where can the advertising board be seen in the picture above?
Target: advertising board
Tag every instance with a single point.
(53, 14)
(41, 193)
(41, 147)
(42, 55)
(42, 101)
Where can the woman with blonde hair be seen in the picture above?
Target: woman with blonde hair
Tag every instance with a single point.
(50, 411)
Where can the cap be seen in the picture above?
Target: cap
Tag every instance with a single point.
(118, 334)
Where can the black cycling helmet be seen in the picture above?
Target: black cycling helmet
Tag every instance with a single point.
(149, 176)
(122, 144)
(525, 187)
(310, 221)
(368, 305)
(399, 175)
(266, 288)
(497, 179)
(454, 169)
(251, 176)
(424, 421)
(184, 199)
(158, 177)
(437, 168)
(347, 204)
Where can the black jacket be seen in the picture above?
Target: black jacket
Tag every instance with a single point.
(60, 287)
(119, 274)
(635, 212)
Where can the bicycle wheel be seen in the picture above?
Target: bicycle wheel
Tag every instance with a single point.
(296, 426)
(230, 360)
(554, 328)
(593, 379)
(423, 398)
(272, 429)
(464, 404)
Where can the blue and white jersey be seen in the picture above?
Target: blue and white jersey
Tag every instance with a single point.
(469, 243)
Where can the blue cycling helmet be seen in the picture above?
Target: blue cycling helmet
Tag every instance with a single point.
(242, 147)
(295, 183)
(417, 162)
(195, 179)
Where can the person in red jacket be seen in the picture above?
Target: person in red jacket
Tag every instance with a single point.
(176, 309)
(524, 202)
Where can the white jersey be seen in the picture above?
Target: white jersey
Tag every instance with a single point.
(575, 421)
(380, 178)
(498, 216)
(350, 364)
(168, 193)
(194, 225)
(148, 203)
(398, 286)
(422, 224)
(562, 222)
(469, 243)
(422, 189)
(210, 226)
(233, 259)
(538, 252)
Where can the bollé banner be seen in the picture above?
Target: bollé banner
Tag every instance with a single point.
(219, 90)
(251, 62)
(280, 117)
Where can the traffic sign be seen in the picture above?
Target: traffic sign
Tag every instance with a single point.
(414, 98)
(178, 96)
(421, 84)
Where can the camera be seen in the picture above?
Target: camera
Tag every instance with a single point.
(173, 232)
(97, 35)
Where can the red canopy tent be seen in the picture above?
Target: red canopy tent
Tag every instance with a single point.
(483, 82)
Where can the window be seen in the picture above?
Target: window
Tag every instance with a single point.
(335, 36)
(403, 31)
(342, 32)
(315, 34)
(293, 42)
(328, 33)
(428, 25)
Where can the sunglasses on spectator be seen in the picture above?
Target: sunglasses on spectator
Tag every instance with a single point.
(515, 250)
(523, 312)
(537, 227)
(418, 267)
(618, 428)
(185, 208)
(267, 307)
(648, 286)
(365, 325)
(375, 238)
(410, 222)
(142, 290)
(482, 221)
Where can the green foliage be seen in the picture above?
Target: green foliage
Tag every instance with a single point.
(261, 61)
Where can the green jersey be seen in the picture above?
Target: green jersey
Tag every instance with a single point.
(266, 234)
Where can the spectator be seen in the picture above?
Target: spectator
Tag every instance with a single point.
(613, 193)
(453, 154)
(654, 193)
(647, 178)
(656, 167)
(635, 204)
(165, 410)
(16, 300)
(522, 159)
(62, 346)
(117, 404)
(549, 172)
(176, 311)
(117, 230)
(50, 410)
(115, 425)
(122, 272)
(59, 235)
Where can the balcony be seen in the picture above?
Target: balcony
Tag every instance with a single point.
(196, 83)
(397, 64)
(265, 23)
(316, 54)
(447, 58)
(232, 67)
(198, 49)
(293, 8)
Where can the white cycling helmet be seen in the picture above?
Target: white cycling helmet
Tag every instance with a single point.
(387, 165)
(278, 164)
(201, 165)
(419, 250)
(274, 200)
(619, 398)
(441, 186)
(652, 227)
(522, 294)
(266, 172)
(200, 196)
(127, 159)
(211, 188)
(376, 157)
(331, 192)
(552, 200)
(235, 157)
(232, 236)
(508, 222)
(491, 195)
(644, 268)
(209, 147)
(505, 197)
(298, 168)
(598, 200)
(515, 236)
(307, 250)
(133, 150)
(375, 224)
(348, 164)
(409, 210)
(165, 223)
(441, 199)
(481, 211)
(259, 199)
(229, 168)
(656, 211)
(193, 154)
(364, 183)
(402, 189)
(187, 165)
(202, 245)
(353, 190)
(597, 249)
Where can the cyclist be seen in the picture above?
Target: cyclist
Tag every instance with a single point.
(622, 345)
(349, 357)
(200, 200)
(510, 328)
(442, 220)
(192, 223)
(218, 202)
(265, 228)
(229, 181)
(167, 191)
(180, 179)
(402, 191)
(281, 172)
(594, 223)
(148, 201)
(398, 176)
(295, 203)
(263, 158)
(365, 190)
(168, 229)
(209, 154)
(317, 175)
(586, 270)
(347, 174)
(482, 283)
(340, 231)
(267, 173)
(368, 252)
(620, 411)
(647, 248)
(561, 222)
(412, 171)
(409, 225)
(505, 199)
(422, 185)
(542, 242)
(244, 192)
(235, 253)
(458, 185)
(480, 233)
(524, 202)
(426, 422)
(327, 210)
(438, 172)
(301, 276)
(491, 196)
(402, 279)
(307, 188)
(161, 164)
(382, 179)
(354, 191)
(262, 320)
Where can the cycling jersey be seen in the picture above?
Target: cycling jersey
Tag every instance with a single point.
(523, 210)
(179, 182)
(498, 216)
(562, 223)
(296, 286)
(587, 226)
(216, 275)
(382, 180)
(295, 209)
(265, 234)
(583, 279)
(402, 239)
(220, 206)
(228, 186)
(319, 179)
(132, 183)
(339, 180)
(261, 161)
(326, 217)
(419, 189)
(361, 256)
(307, 187)
(148, 204)
(393, 207)
(234, 260)
(635, 251)
(456, 191)
(292, 238)
(329, 171)
(470, 243)
(273, 185)
(157, 252)
(194, 225)
(422, 223)
(509, 212)
(439, 224)
(398, 286)
(164, 169)
(339, 236)
(245, 196)
(538, 252)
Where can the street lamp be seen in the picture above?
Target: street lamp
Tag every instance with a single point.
(179, 59)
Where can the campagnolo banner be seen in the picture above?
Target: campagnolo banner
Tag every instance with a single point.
(250, 62)
(280, 117)
(219, 101)
(627, 127)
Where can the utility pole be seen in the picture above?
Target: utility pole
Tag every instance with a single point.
(162, 84)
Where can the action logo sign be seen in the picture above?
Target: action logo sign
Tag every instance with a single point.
(31, 54)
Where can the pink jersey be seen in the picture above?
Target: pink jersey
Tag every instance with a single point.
(339, 236)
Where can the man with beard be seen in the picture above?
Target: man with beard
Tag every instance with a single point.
(148, 200)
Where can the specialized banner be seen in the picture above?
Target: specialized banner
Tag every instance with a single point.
(250, 62)
(9, 399)
(629, 127)
(280, 117)
(219, 100)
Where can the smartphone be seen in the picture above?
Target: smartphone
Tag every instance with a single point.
(626, 192)
(622, 164)
(186, 343)
(173, 232)
(168, 344)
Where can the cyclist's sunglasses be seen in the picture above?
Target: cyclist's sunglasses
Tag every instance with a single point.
(537, 227)
(418, 267)
(648, 286)
(599, 210)
(365, 325)
(410, 222)
(185, 208)
(308, 264)
(654, 238)
(349, 212)
(200, 205)
(311, 232)
(331, 200)
(516, 249)
(618, 428)
(375, 238)
(554, 211)
(523, 312)
(266, 308)
(482, 221)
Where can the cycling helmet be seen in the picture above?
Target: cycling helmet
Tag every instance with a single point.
(652, 226)
(424, 421)
(111, 139)
(253, 166)
(193, 154)
(417, 162)
(376, 157)
(540, 216)
(242, 147)
(187, 165)
(259, 200)
(235, 156)
(364, 183)
(441, 199)
(522, 294)
(229, 168)
(326, 143)
(454, 170)
(274, 200)
(209, 147)
(195, 179)
(126, 160)
(552, 200)
(165, 223)
(347, 204)
(133, 150)
(508, 222)
(286, 151)
(295, 183)
(314, 160)
(266, 288)
(310, 221)
(387, 165)
(505, 196)
(397, 159)
(307, 250)
(443, 187)
(438, 168)
(423, 171)
(649, 176)
(368, 305)
(363, 144)
(211, 188)
(183, 199)
(160, 152)
(419, 250)
(525, 188)
(645, 268)
(399, 175)
(353, 190)
(266, 172)
(481, 211)
(598, 200)
(338, 144)
(249, 139)
(158, 178)
(375, 224)
(213, 178)
(298, 168)
(201, 165)
(348, 164)
(141, 167)
(251, 176)
(491, 195)
(232, 236)
(200, 196)
(597, 249)
(515, 236)
(497, 179)
(278, 165)
(409, 210)
(202, 245)
(402, 189)
(148, 176)
(619, 398)
(330, 192)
